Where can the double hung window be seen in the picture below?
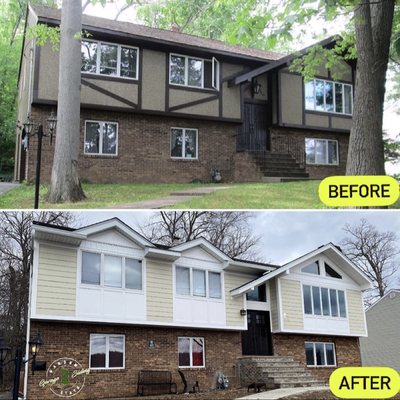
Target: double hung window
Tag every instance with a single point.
(184, 143)
(107, 351)
(322, 151)
(191, 351)
(101, 138)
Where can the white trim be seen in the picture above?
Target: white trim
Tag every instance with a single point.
(107, 361)
(183, 157)
(326, 153)
(101, 133)
(313, 332)
(315, 365)
(215, 73)
(119, 46)
(191, 352)
(205, 245)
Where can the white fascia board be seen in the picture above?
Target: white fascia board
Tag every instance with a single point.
(160, 254)
(297, 331)
(46, 233)
(115, 223)
(205, 245)
(248, 265)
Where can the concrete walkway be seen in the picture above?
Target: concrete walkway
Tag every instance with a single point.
(283, 393)
(6, 186)
(172, 199)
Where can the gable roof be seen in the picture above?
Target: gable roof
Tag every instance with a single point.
(332, 251)
(283, 61)
(52, 15)
(388, 294)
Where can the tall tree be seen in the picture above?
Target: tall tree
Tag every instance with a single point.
(228, 231)
(65, 183)
(374, 252)
(16, 255)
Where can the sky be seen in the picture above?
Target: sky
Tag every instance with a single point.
(285, 235)
(391, 123)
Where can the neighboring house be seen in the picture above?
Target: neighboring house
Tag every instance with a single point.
(114, 302)
(381, 347)
(163, 106)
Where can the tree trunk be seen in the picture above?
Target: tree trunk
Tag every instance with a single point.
(65, 183)
(373, 23)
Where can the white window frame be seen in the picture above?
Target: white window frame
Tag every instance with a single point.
(326, 141)
(338, 317)
(100, 153)
(102, 285)
(215, 68)
(191, 352)
(98, 58)
(315, 365)
(334, 97)
(191, 288)
(183, 157)
(107, 336)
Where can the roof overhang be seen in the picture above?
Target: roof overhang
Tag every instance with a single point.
(48, 234)
(205, 245)
(240, 266)
(161, 255)
(331, 251)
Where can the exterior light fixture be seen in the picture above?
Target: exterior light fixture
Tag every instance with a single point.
(256, 87)
(29, 131)
(34, 344)
(243, 312)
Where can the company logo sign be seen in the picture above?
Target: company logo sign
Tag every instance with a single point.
(65, 377)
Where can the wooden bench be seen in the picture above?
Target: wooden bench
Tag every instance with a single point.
(158, 381)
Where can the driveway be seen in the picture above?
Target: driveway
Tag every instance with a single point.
(6, 186)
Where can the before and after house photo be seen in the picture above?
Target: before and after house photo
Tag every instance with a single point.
(163, 232)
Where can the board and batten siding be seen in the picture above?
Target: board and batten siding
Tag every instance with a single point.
(274, 305)
(355, 310)
(159, 291)
(56, 281)
(292, 310)
(233, 305)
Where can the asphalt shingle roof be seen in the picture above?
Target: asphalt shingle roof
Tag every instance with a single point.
(162, 35)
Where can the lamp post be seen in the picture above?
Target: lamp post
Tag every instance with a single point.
(28, 127)
(18, 360)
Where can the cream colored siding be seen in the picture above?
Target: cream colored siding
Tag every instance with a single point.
(153, 78)
(234, 305)
(355, 312)
(274, 305)
(291, 98)
(159, 291)
(291, 304)
(56, 283)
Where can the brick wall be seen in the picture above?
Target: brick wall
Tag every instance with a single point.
(72, 340)
(298, 137)
(347, 351)
(144, 150)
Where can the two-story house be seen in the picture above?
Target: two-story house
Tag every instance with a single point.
(163, 106)
(110, 303)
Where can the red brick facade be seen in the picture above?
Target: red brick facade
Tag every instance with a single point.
(346, 348)
(298, 137)
(222, 348)
(144, 151)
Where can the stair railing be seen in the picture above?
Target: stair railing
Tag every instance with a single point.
(290, 145)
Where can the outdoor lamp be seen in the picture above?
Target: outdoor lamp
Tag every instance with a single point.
(34, 344)
(52, 122)
(28, 125)
(256, 87)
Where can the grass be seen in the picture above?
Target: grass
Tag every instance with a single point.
(288, 195)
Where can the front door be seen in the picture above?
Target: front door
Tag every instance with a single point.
(257, 340)
(254, 132)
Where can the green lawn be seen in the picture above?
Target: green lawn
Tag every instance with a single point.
(289, 195)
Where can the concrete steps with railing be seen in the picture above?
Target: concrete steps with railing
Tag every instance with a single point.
(275, 372)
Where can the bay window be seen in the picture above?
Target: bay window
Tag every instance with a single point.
(109, 59)
(321, 151)
(320, 354)
(107, 351)
(328, 96)
(191, 351)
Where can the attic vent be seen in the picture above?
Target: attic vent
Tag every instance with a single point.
(392, 295)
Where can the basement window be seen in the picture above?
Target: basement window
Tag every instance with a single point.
(191, 352)
(322, 151)
(184, 143)
(101, 138)
(107, 351)
(320, 354)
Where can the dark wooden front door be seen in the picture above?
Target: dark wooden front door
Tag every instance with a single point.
(254, 132)
(257, 340)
